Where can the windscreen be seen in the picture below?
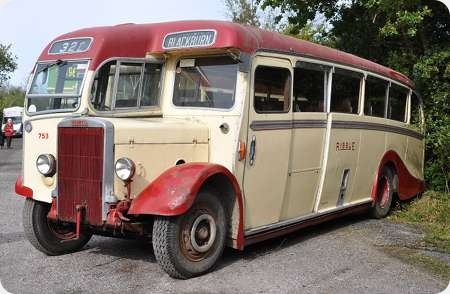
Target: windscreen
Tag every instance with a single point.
(205, 82)
(56, 86)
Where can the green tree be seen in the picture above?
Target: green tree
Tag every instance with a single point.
(242, 11)
(7, 63)
(11, 97)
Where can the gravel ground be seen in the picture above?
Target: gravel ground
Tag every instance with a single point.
(343, 256)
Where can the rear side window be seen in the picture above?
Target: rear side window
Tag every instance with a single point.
(272, 89)
(397, 102)
(309, 90)
(345, 91)
(416, 112)
(375, 92)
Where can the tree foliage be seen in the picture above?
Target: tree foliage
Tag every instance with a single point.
(7, 63)
(11, 97)
(411, 36)
(243, 11)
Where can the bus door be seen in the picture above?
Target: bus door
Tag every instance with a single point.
(268, 142)
(308, 138)
(344, 141)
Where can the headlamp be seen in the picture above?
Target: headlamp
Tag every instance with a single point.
(46, 165)
(125, 168)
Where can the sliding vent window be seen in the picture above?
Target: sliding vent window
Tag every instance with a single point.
(345, 91)
(152, 85)
(375, 100)
(129, 85)
(397, 102)
(272, 89)
(207, 82)
(309, 89)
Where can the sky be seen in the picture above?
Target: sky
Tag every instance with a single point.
(30, 25)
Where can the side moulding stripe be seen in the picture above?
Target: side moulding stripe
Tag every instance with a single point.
(262, 125)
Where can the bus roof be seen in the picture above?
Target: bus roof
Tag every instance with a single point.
(137, 40)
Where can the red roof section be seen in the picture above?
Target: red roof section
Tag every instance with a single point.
(136, 40)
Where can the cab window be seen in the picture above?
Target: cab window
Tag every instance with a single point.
(207, 82)
(121, 85)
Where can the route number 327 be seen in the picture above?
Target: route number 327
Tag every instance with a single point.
(43, 136)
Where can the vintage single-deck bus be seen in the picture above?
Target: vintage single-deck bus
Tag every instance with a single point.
(201, 134)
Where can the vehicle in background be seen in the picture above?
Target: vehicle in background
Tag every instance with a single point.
(205, 134)
(15, 114)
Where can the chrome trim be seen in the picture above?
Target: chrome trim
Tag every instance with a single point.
(269, 227)
(108, 153)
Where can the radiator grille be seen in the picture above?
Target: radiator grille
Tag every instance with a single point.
(80, 173)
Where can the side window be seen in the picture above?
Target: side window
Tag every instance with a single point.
(152, 86)
(128, 85)
(102, 90)
(137, 85)
(309, 90)
(416, 112)
(345, 91)
(272, 89)
(375, 99)
(397, 102)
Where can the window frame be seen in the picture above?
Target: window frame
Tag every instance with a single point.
(386, 95)
(177, 60)
(138, 107)
(407, 103)
(79, 96)
(352, 73)
(290, 94)
(319, 67)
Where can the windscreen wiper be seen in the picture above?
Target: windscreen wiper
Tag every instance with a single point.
(58, 62)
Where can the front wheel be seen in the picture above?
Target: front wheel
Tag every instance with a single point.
(384, 194)
(189, 245)
(48, 236)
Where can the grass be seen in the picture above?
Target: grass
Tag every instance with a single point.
(431, 213)
(417, 258)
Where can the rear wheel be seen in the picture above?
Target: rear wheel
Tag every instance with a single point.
(50, 237)
(190, 244)
(384, 194)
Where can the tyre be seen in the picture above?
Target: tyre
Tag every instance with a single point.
(385, 193)
(189, 245)
(48, 236)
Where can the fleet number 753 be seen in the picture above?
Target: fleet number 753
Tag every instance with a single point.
(43, 136)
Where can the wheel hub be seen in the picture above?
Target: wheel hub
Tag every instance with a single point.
(203, 233)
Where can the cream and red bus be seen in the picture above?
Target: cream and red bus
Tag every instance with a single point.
(205, 134)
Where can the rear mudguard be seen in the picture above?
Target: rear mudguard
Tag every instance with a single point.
(175, 190)
(408, 185)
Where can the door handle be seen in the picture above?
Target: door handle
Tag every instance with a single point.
(252, 150)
